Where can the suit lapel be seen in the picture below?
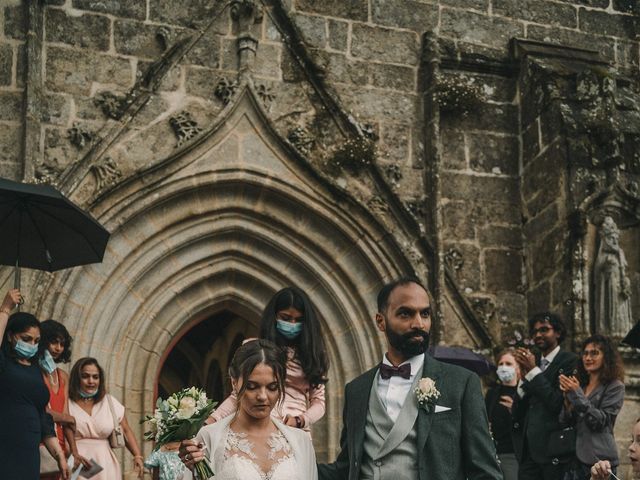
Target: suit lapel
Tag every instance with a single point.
(405, 422)
(430, 369)
(358, 408)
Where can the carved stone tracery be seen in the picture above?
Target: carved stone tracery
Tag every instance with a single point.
(185, 127)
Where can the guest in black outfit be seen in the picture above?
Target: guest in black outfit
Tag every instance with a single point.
(537, 406)
(499, 401)
(593, 400)
(23, 398)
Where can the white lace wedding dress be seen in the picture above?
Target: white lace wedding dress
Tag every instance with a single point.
(242, 462)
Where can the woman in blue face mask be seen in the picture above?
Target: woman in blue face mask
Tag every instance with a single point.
(23, 397)
(499, 400)
(289, 320)
(54, 348)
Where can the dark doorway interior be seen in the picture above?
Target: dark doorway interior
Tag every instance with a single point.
(201, 357)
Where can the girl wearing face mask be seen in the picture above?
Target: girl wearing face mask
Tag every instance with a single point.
(55, 347)
(499, 400)
(24, 422)
(289, 320)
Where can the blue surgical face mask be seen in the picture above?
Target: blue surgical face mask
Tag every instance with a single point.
(84, 394)
(287, 329)
(506, 373)
(47, 363)
(25, 350)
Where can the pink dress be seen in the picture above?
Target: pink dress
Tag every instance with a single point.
(92, 435)
(299, 398)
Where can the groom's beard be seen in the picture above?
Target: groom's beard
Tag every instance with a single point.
(406, 343)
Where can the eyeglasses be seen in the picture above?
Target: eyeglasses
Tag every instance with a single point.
(591, 353)
(541, 330)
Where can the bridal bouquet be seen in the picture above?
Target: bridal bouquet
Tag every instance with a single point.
(178, 418)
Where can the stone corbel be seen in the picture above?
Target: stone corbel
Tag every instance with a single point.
(246, 13)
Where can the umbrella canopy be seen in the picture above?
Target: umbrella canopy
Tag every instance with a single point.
(462, 357)
(633, 337)
(40, 228)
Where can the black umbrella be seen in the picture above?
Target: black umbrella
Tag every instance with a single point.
(40, 228)
(463, 357)
(633, 337)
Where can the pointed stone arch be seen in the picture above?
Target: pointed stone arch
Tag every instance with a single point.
(222, 225)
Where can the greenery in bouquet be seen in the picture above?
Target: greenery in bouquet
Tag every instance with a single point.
(178, 418)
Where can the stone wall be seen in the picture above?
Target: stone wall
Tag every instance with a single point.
(428, 115)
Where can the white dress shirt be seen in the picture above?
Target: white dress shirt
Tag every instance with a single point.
(393, 391)
(537, 370)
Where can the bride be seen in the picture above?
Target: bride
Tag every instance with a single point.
(252, 445)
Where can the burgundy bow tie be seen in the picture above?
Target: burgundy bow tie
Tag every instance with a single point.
(388, 371)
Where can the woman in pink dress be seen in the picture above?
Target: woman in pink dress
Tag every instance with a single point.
(94, 410)
(290, 321)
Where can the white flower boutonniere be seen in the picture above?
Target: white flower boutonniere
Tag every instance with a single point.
(427, 394)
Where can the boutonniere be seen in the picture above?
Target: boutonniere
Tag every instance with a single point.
(427, 393)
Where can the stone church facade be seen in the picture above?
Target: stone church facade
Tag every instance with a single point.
(235, 147)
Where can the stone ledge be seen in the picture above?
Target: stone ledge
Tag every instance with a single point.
(521, 48)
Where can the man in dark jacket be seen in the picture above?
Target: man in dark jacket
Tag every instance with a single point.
(539, 400)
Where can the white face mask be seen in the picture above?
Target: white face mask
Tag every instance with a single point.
(506, 373)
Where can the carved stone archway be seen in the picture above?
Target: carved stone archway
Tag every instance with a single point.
(221, 226)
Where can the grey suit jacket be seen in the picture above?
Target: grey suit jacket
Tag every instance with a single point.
(594, 417)
(452, 445)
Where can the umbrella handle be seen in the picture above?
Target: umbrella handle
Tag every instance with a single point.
(16, 284)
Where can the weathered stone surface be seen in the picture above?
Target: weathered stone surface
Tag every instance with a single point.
(396, 139)
(625, 6)
(502, 237)
(498, 213)
(491, 153)
(201, 82)
(313, 29)
(546, 255)
(74, 71)
(543, 180)
(539, 299)
(457, 222)
(370, 104)
(131, 37)
(468, 276)
(530, 143)
(485, 116)
(15, 20)
(6, 64)
(409, 14)
(453, 150)
(11, 170)
(86, 31)
(481, 5)
(21, 66)
(478, 189)
(538, 11)
(126, 9)
(476, 28)
(10, 106)
(395, 77)
(268, 61)
(572, 38)
(171, 81)
(542, 223)
(10, 139)
(338, 32)
(605, 23)
(384, 45)
(503, 269)
(338, 68)
(351, 9)
(57, 109)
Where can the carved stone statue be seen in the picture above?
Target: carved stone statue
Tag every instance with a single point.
(612, 286)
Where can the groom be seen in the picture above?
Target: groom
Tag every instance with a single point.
(388, 433)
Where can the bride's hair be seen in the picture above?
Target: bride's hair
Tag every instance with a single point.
(253, 353)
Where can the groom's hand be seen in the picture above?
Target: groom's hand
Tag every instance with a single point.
(190, 453)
